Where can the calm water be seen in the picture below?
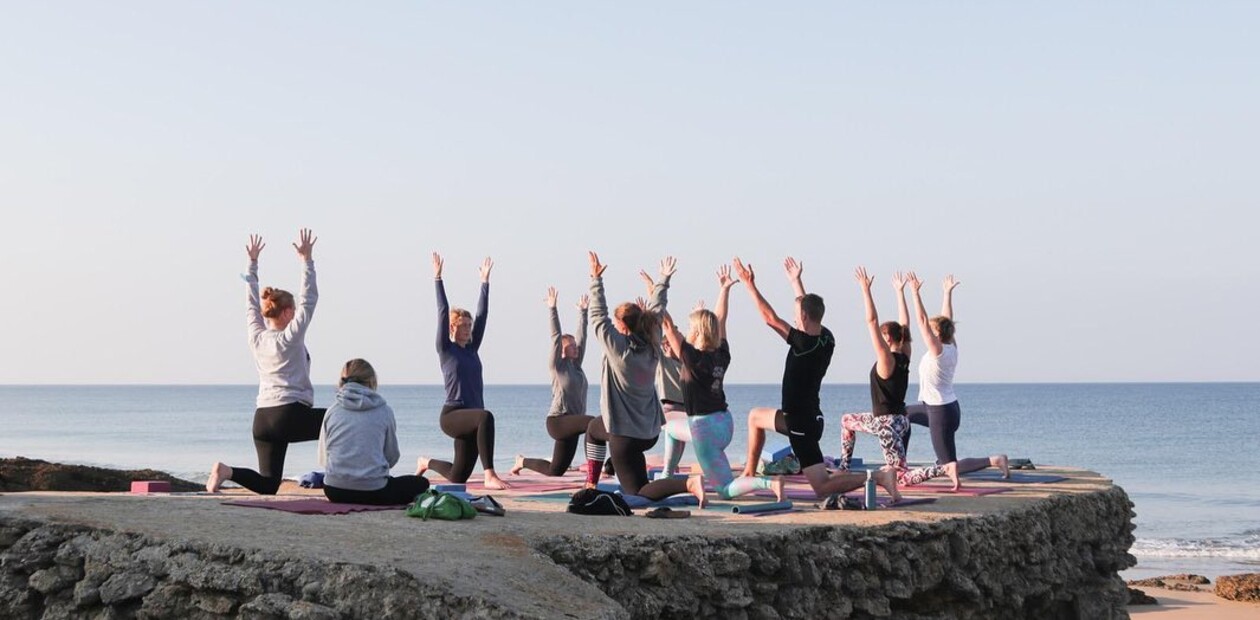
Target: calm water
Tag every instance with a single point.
(1186, 453)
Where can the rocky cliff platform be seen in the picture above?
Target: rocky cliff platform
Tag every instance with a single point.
(1038, 551)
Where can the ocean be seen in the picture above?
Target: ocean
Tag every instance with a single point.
(1186, 453)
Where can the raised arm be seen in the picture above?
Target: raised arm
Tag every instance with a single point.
(884, 362)
(947, 302)
(309, 294)
(903, 314)
(614, 342)
(794, 269)
(443, 306)
(483, 305)
(930, 339)
(768, 315)
(253, 309)
(557, 343)
(659, 298)
(725, 282)
(672, 335)
(579, 334)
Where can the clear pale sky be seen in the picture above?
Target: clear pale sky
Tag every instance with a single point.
(1088, 170)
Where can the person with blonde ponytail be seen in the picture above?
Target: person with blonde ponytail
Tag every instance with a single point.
(708, 426)
(631, 415)
(358, 444)
(464, 417)
(276, 327)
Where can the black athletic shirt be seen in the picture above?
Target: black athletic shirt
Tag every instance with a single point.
(888, 396)
(702, 374)
(807, 361)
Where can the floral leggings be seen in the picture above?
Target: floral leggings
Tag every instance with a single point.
(710, 434)
(889, 429)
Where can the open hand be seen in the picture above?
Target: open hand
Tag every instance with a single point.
(551, 297)
(793, 268)
(255, 247)
(648, 281)
(584, 302)
(950, 283)
(863, 280)
(724, 277)
(484, 270)
(437, 266)
(913, 279)
(899, 280)
(597, 268)
(669, 265)
(306, 243)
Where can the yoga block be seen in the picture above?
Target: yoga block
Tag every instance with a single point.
(150, 486)
(450, 488)
(772, 453)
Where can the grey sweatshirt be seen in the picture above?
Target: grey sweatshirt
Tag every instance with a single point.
(284, 367)
(358, 442)
(627, 395)
(568, 380)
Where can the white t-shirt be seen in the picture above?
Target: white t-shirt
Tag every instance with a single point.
(936, 376)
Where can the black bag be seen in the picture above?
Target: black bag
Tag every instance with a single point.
(596, 502)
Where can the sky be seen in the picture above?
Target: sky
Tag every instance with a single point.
(1087, 170)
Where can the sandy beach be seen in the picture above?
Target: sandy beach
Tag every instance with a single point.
(1179, 605)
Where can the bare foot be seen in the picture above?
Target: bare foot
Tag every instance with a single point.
(493, 481)
(779, 487)
(887, 478)
(951, 470)
(695, 486)
(1001, 462)
(519, 465)
(422, 465)
(218, 473)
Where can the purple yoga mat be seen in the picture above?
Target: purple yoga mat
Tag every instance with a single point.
(312, 506)
(945, 489)
(992, 475)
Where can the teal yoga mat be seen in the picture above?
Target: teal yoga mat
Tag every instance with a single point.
(748, 509)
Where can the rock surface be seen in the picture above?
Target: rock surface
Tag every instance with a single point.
(1138, 597)
(1050, 553)
(1245, 587)
(22, 474)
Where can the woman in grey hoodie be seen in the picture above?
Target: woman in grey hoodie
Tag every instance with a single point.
(631, 412)
(277, 337)
(358, 444)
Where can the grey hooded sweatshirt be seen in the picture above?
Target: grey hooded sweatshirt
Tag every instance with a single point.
(358, 443)
(627, 395)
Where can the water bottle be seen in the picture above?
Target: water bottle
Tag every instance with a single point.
(870, 490)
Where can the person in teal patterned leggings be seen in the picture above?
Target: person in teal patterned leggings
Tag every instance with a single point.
(708, 427)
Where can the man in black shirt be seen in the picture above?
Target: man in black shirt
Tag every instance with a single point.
(810, 349)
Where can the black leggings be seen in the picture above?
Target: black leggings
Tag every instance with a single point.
(565, 429)
(943, 421)
(274, 429)
(627, 458)
(473, 431)
(397, 491)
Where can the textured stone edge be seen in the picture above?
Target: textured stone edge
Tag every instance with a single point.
(1058, 557)
(50, 570)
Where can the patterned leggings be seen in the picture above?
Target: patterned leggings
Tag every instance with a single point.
(889, 429)
(710, 435)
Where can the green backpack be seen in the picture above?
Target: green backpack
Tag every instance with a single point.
(440, 505)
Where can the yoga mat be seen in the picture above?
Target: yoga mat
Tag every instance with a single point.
(748, 509)
(969, 491)
(1016, 477)
(637, 501)
(312, 506)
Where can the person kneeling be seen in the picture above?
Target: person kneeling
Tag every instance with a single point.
(358, 444)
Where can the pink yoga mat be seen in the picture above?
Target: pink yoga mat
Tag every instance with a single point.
(527, 486)
(312, 506)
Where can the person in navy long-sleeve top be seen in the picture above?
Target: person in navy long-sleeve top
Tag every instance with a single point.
(464, 417)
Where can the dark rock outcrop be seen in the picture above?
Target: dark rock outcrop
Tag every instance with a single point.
(1138, 597)
(1245, 587)
(21, 474)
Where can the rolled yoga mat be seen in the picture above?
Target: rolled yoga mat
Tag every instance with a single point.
(755, 508)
